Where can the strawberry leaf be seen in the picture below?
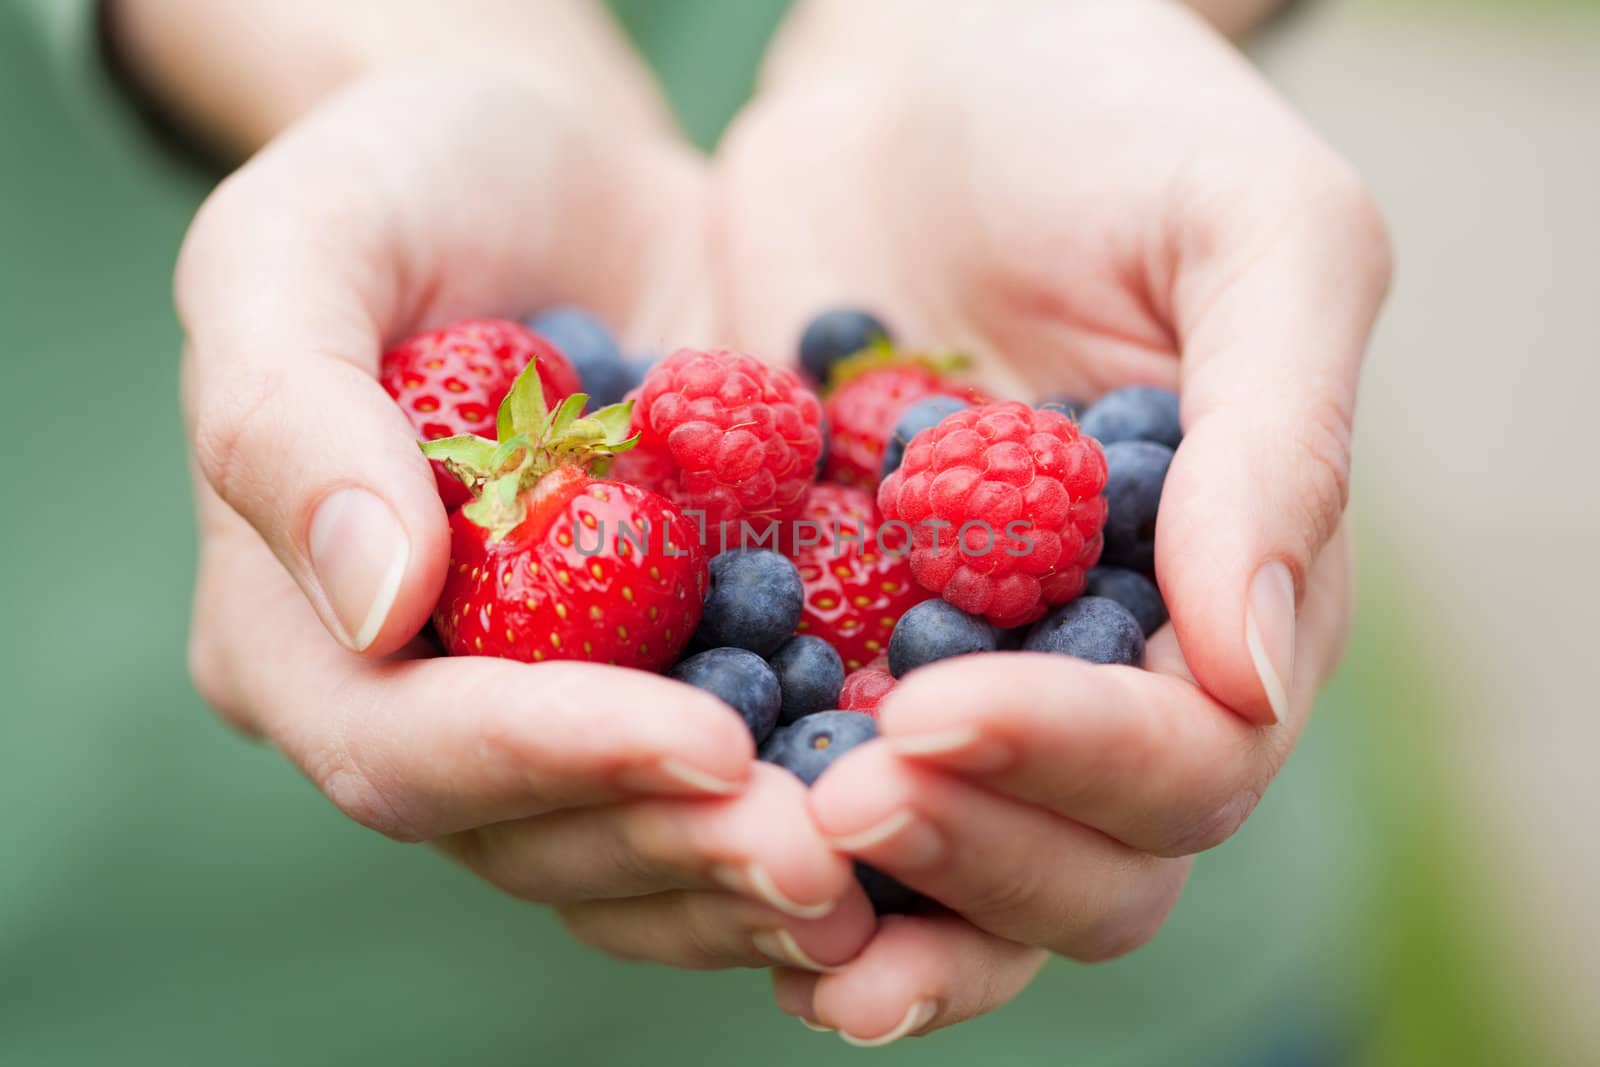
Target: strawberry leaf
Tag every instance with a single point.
(470, 458)
(523, 411)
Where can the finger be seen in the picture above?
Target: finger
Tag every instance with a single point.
(1274, 322)
(917, 975)
(1144, 757)
(760, 844)
(421, 748)
(304, 264)
(1012, 869)
(288, 424)
(712, 930)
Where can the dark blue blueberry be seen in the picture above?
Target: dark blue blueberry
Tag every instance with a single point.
(810, 673)
(754, 602)
(808, 746)
(1072, 409)
(1133, 591)
(591, 349)
(835, 334)
(740, 679)
(888, 896)
(935, 630)
(920, 416)
(1135, 473)
(1137, 413)
(1091, 628)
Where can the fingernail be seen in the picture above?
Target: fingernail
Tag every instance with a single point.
(779, 946)
(961, 749)
(818, 1027)
(1269, 633)
(671, 775)
(754, 881)
(920, 1015)
(902, 840)
(359, 553)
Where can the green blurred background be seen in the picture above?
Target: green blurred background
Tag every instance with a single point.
(1416, 889)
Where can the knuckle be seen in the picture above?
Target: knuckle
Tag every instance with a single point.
(228, 430)
(1131, 928)
(1322, 452)
(361, 795)
(1211, 828)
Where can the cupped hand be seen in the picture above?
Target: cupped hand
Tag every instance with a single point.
(627, 801)
(1084, 195)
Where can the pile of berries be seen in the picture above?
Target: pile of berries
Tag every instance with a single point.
(713, 517)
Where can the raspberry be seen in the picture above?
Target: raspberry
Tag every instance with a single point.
(864, 689)
(726, 435)
(1005, 508)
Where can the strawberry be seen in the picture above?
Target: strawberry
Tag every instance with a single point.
(857, 576)
(551, 560)
(728, 437)
(1005, 507)
(864, 689)
(870, 392)
(451, 381)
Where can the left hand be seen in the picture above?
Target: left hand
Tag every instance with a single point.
(1085, 195)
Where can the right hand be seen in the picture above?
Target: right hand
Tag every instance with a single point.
(627, 801)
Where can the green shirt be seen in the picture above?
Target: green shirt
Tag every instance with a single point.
(172, 894)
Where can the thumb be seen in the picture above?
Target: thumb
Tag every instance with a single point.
(1271, 358)
(290, 427)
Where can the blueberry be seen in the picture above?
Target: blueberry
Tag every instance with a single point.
(754, 602)
(920, 416)
(810, 673)
(1072, 409)
(1133, 591)
(1135, 473)
(591, 349)
(1137, 413)
(1091, 628)
(888, 896)
(740, 679)
(935, 630)
(835, 334)
(808, 746)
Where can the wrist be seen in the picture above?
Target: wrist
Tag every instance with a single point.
(236, 74)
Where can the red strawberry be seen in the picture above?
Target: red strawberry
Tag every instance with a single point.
(872, 390)
(727, 436)
(865, 689)
(550, 561)
(1005, 507)
(857, 576)
(451, 381)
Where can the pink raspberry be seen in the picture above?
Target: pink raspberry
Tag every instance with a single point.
(1005, 508)
(727, 435)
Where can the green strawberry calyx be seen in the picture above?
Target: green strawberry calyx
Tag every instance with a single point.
(533, 440)
(883, 353)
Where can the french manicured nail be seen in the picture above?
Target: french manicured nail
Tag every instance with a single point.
(920, 1015)
(818, 1027)
(359, 553)
(902, 840)
(1269, 633)
(754, 881)
(673, 776)
(963, 748)
(780, 947)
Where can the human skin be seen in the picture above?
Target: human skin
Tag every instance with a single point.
(1083, 194)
